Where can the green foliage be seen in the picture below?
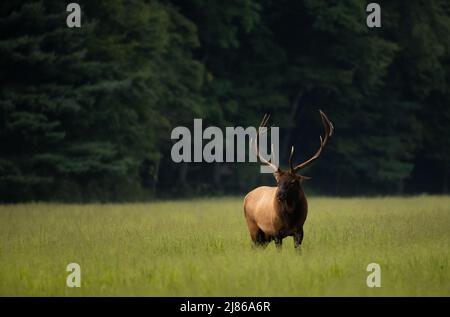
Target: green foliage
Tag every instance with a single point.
(86, 114)
(86, 106)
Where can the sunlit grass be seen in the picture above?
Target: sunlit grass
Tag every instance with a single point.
(202, 248)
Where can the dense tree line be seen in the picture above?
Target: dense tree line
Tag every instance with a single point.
(86, 113)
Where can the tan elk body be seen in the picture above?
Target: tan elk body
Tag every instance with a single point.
(273, 213)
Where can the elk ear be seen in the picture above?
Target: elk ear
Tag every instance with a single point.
(304, 178)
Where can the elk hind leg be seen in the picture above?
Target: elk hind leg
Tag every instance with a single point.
(298, 238)
(257, 235)
(261, 240)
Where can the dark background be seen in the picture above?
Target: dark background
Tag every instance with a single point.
(86, 113)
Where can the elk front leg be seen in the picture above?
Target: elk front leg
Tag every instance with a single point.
(298, 238)
(278, 242)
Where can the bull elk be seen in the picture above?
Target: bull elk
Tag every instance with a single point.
(273, 213)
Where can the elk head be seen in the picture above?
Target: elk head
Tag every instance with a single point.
(289, 182)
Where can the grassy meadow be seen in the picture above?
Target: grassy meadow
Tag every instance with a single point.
(202, 248)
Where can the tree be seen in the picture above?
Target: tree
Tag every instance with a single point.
(83, 109)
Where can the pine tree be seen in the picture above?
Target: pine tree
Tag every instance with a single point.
(83, 109)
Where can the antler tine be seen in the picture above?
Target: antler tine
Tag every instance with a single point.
(263, 124)
(327, 123)
(329, 129)
(264, 121)
(272, 153)
(290, 159)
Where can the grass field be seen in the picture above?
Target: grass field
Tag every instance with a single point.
(202, 248)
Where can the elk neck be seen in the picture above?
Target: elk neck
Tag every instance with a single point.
(290, 205)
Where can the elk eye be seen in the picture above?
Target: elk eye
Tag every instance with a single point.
(293, 181)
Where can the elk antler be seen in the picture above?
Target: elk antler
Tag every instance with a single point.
(262, 159)
(323, 141)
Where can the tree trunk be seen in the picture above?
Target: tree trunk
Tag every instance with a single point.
(155, 176)
(182, 175)
(445, 180)
(288, 136)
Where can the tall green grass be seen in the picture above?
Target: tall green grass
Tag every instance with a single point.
(202, 248)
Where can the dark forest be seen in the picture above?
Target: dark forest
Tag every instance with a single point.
(86, 113)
